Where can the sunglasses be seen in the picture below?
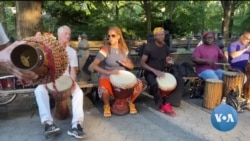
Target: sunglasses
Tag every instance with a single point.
(112, 35)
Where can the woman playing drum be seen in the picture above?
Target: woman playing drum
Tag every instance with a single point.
(111, 54)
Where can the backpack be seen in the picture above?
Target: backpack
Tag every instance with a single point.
(140, 49)
(183, 70)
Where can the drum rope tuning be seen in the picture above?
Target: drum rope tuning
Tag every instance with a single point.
(45, 56)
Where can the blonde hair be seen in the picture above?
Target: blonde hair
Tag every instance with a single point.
(122, 46)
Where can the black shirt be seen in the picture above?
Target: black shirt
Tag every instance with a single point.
(156, 55)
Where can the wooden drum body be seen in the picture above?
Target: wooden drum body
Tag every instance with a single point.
(166, 84)
(61, 91)
(213, 93)
(123, 87)
(246, 89)
(232, 80)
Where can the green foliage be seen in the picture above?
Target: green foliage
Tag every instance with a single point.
(181, 18)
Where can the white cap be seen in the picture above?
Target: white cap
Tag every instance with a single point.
(3, 37)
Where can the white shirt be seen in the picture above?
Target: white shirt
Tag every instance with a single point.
(73, 61)
(3, 37)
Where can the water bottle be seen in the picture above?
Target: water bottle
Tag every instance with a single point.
(224, 100)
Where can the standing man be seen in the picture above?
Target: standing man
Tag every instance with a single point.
(154, 60)
(42, 97)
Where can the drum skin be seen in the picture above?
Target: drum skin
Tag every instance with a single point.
(166, 84)
(123, 84)
(61, 91)
(45, 56)
(123, 87)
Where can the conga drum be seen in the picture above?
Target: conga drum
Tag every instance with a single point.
(122, 86)
(166, 84)
(232, 80)
(246, 89)
(213, 93)
(61, 91)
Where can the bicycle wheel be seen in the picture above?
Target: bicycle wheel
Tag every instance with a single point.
(6, 98)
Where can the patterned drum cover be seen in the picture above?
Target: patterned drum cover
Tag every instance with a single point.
(45, 56)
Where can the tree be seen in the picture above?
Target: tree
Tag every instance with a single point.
(228, 8)
(29, 18)
(147, 8)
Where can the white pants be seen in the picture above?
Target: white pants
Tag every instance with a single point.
(42, 99)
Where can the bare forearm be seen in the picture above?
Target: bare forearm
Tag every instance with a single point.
(100, 70)
(238, 53)
(199, 61)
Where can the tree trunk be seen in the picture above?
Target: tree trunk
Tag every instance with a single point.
(228, 8)
(28, 18)
(147, 9)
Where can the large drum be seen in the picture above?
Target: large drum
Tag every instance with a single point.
(122, 86)
(166, 84)
(61, 91)
(232, 80)
(212, 93)
(246, 89)
(45, 56)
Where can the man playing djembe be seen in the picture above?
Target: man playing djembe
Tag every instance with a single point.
(154, 60)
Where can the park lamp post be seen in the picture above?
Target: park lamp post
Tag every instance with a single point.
(163, 11)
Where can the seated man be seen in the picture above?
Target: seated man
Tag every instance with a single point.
(154, 60)
(238, 52)
(205, 57)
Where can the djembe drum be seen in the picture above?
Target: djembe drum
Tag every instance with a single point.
(61, 91)
(122, 86)
(166, 84)
(232, 80)
(45, 56)
(213, 93)
(246, 88)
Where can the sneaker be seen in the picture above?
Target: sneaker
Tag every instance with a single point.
(77, 132)
(107, 112)
(51, 130)
(132, 108)
(167, 109)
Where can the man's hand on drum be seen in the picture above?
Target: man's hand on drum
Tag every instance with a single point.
(159, 73)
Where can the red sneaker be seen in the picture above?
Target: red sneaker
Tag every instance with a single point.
(167, 109)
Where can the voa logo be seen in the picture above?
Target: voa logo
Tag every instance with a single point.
(224, 117)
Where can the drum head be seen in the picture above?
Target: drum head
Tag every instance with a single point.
(167, 82)
(63, 83)
(214, 81)
(231, 73)
(124, 79)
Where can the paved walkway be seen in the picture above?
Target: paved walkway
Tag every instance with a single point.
(192, 123)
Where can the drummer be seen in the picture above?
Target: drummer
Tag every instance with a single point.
(206, 56)
(239, 51)
(154, 60)
(112, 51)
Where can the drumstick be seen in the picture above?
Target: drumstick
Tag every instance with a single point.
(225, 64)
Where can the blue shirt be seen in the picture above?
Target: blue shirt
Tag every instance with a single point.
(241, 61)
